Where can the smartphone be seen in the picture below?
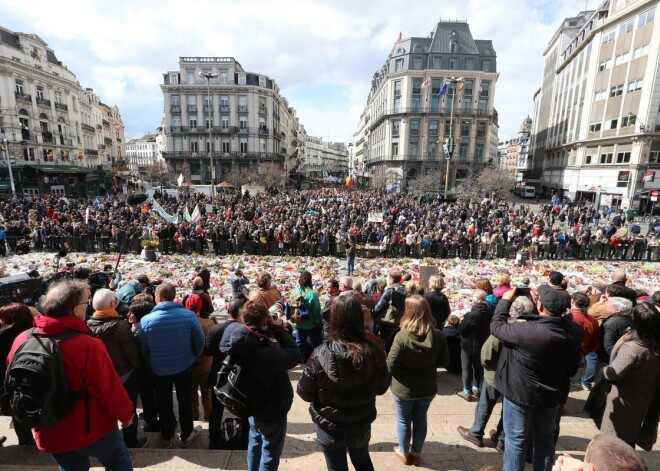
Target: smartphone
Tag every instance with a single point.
(522, 291)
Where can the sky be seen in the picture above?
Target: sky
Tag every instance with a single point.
(322, 54)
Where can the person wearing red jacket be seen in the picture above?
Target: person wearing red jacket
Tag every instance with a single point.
(579, 307)
(88, 367)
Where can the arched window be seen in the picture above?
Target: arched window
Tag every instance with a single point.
(24, 120)
(454, 47)
(61, 130)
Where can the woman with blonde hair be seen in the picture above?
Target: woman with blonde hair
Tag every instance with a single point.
(438, 301)
(503, 281)
(419, 349)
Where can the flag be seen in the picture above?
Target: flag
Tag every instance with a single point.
(195, 215)
(648, 177)
(400, 36)
(481, 89)
(186, 215)
(87, 215)
(81, 156)
(180, 179)
(336, 192)
(443, 90)
(426, 83)
(65, 155)
(461, 87)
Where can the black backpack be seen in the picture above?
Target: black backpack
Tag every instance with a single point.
(235, 388)
(36, 388)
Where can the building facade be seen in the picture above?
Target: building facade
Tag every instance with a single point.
(142, 153)
(596, 133)
(410, 112)
(246, 122)
(54, 128)
(323, 159)
(514, 153)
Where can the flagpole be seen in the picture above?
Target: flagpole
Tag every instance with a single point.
(450, 147)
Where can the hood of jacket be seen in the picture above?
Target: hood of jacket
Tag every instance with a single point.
(417, 342)
(100, 325)
(338, 365)
(239, 339)
(55, 325)
(399, 288)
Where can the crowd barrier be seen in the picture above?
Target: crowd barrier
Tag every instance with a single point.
(88, 244)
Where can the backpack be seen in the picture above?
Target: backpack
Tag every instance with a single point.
(235, 388)
(393, 314)
(36, 388)
(194, 303)
(298, 311)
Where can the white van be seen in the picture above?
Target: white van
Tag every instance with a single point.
(528, 192)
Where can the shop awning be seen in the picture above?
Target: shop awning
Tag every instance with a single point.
(71, 169)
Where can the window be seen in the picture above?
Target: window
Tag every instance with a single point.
(192, 100)
(417, 86)
(175, 100)
(262, 82)
(453, 63)
(397, 88)
(640, 51)
(415, 104)
(465, 128)
(626, 27)
(242, 102)
(646, 17)
(629, 120)
(417, 63)
(437, 62)
(481, 129)
(414, 127)
(600, 95)
(397, 105)
(192, 122)
(190, 73)
(224, 101)
(433, 127)
(623, 157)
(611, 123)
(243, 145)
(193, 145)
(616, 90)
(413, 149)
(174, 79)
(606, 64)
(225, 145)
(19, 87)
(262, 145)
(621, 58)
(58, 96)
(484, 88)
(468, 87)
(435, 103)
(606, 158)
(223, 77)
(622, 179)
(454, 47)
(589, 159)
(398, 65)
(654, 156)
(395, 148)
(241, 79)
(436, 85)
(40, 92)
(479, 152)
(485, 65)
(470, 63)
(396, 127)
(595, 127)
(242, 123)
(635, 85)
(463, 151)
(224, 121)
(609, 35)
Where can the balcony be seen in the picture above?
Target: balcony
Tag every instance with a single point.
(43, 102)
(224, 106)
(202, 129)
(61, 106)
(208, 108)
(242, 108)
(119, 139)
(99, 127)
(263, 130)
(107, 140)
(23, 96)
(243, 130)
(223, 155)
(91, 152)
(105, 123)
(263, 109)
(175, 108)
(87, 127)
(101, 147)
(191, 108)
(64, 141)
(47, 136)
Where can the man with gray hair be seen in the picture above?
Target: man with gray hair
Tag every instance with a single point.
(612, 328)
(490, 354)
(474, 330)
(107, 325)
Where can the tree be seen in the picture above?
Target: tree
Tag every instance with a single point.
(427, 183)
(239, 175)
(496, 182)
(378, 177)
(469, 189)
(271, 174)
(158, 173)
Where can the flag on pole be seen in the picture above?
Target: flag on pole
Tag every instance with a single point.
(186, 215)
(443, 90)
(195, 215)
(426, 83)
(461, 87)
(399, 37)
(180, 179)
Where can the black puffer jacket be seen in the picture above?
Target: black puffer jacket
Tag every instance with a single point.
(120, 342)
(475, 328)
(343, 398)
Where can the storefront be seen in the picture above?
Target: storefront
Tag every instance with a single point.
(59, 180)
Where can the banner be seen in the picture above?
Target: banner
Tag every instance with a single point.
(158, 209)
(196, 215)
(375, 217)
(186, 215)
(649, 177)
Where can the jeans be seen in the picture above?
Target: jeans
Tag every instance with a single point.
(334, 446)
(315, 337)
(351, 265)
(265, 444)
(542, 423)
(183, 384)
(592, 368)
(110, 450)
(473, 372)
(411, 421)
(487, 401)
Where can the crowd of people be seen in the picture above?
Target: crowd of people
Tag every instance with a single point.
(335, 222)
(521, 343)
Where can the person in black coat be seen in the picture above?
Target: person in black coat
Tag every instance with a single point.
(438, 301)
(341, 380)
(212, 348)
(450, 333)
(474, 329)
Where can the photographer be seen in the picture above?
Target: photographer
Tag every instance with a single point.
(127, 292)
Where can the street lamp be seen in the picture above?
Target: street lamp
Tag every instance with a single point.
(449, 150)
(208, 76)
(5, 154)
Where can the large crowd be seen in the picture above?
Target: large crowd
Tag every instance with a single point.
(313, 222)
(521, 343)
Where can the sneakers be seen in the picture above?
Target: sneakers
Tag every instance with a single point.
(191, 438)
(143, 442)
(476, 392)
(167, 443)
(580, 384)
(467, 435)
(405, 459)
(465, 394)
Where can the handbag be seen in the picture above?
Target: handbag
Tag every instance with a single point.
(595, 405)
(234, 434)
(233, 387)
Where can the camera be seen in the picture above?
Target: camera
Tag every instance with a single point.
(522, 291)
(151, 288)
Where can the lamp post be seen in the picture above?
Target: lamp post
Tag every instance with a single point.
(208, 76)
(450, 142)
(5, 154)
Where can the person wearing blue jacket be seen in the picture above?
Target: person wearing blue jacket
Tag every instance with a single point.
(170, 339)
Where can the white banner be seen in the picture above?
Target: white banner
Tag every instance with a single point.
(375, 217)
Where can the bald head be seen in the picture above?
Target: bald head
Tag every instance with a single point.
(619, 276)
(198, 283)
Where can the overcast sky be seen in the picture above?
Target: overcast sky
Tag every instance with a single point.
(322, 54)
